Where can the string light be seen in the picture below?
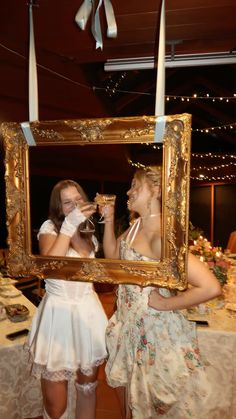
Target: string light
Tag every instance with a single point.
(214, 156)
(168, 98)
(213, 178)
(231, 126)
(201, 176)
(210, 169)
(219, 127)
(210, 155)
(136, 165)
(156, 147)
(114, 88)
(195, 97)
(112, 84)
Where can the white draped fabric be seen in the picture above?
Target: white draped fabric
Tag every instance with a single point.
(218, 347)
(20, 394)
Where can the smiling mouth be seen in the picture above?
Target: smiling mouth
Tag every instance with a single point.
(132, 198)
(130, 201)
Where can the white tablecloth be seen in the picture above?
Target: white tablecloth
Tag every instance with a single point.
(218, 347)
(20, 394)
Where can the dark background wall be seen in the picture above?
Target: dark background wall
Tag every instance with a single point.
(219, 199)
(225, 212)
(200, 208)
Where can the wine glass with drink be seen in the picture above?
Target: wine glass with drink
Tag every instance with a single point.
(102, 200)
(88, 226)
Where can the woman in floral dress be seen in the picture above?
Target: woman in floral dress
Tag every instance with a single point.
(154, 359)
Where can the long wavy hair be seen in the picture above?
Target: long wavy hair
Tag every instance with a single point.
(56, 214)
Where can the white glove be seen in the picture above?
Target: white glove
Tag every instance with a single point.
(72, 221)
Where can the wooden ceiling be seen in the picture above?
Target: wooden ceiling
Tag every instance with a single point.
(71, 77)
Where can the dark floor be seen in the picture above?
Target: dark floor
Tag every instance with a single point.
(107, 402)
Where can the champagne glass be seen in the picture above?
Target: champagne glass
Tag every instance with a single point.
(102, 200)
(88, 226)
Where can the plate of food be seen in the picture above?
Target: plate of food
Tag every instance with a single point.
(17, 312)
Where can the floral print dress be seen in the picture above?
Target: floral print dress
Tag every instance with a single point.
(155, 355)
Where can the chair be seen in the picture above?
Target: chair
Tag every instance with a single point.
(32, 288)
(232, 242)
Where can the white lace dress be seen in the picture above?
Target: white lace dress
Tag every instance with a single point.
(155, 355)
(68, 330)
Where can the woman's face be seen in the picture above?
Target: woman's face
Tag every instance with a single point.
(139, 194)
(70, 197)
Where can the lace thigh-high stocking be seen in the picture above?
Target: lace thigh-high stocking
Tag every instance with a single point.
(86, 400)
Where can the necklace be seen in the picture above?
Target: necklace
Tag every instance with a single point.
(151, 215)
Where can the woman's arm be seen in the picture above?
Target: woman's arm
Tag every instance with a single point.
(54, 245)
(204, 287)
(111, 244)
(58, 244)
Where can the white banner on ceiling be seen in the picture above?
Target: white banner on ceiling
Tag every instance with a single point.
(84, 13)
(160, 85)
(33, 80)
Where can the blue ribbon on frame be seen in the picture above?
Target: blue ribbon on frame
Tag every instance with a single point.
(25, 126)
(160, 129)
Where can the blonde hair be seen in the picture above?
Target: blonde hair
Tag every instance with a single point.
(152, 174)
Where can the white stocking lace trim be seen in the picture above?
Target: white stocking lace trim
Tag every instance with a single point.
(87, 388)
(39, 371)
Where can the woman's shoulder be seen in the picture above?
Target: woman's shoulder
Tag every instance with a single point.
(47, 227)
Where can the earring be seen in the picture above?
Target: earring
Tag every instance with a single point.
(149, 205)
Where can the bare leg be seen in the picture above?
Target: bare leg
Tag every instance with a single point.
(123, 399)
(86, 395)
(54, 398)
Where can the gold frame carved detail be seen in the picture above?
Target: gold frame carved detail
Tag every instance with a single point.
(170, 271)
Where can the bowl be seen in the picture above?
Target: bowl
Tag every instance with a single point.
(17, 312)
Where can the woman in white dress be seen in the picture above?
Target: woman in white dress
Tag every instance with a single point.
(153, 350)
(67, 337)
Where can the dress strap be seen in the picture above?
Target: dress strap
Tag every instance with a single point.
(132, 232)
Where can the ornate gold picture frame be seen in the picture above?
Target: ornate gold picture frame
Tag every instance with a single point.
(170, 271)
